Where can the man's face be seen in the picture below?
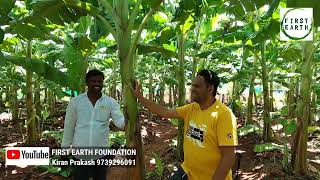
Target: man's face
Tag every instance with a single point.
(200, 91)
(95, 84)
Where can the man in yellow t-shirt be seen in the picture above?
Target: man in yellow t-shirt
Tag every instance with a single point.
(210, 130)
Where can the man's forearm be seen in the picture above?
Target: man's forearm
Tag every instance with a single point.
(153, 107)
(223, 168)
(67, 138)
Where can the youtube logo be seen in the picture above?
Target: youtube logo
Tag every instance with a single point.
(27, 156)
(13, 154)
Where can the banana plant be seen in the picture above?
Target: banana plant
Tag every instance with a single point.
(32, 134)
(13, 80)
(249, 119)
(299, 151)
(303, 108)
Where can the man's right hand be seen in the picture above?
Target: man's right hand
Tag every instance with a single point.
(152, 106)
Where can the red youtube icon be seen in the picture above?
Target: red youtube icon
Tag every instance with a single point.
(13, 154)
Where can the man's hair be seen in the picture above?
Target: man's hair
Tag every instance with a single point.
(211, 78)
(93, 72)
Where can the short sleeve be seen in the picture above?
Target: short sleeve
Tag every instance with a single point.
(184, 110)
(227, 129)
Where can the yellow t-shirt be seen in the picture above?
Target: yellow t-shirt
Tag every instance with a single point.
(204, 132)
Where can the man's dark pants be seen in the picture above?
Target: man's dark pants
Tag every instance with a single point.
(94, 171)
(179, 175)
(85, 172)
